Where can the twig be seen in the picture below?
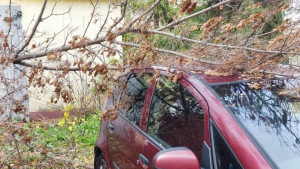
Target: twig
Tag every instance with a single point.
(91, 18)
(38, 21)
(143, 14)
(105, 21)
(56, 14)
(120, 19)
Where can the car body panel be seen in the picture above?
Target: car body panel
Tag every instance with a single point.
(101, 140)
(130, 143)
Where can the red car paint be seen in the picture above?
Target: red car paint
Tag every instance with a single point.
(126, 142)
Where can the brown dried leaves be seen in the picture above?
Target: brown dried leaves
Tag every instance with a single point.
(174, 77)
(228, 27)
(187, 6)
(209, 26)
(254, 85)
(256, 20)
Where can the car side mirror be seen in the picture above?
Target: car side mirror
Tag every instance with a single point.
(175, 158)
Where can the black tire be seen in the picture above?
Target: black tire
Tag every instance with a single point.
(99, 162)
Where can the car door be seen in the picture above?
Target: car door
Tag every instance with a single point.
(176, 116)
(126, 140)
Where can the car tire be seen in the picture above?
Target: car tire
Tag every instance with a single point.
(99, 162)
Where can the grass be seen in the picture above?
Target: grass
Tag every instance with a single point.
(48, 144)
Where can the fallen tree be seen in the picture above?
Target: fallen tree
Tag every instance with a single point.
(230, 36)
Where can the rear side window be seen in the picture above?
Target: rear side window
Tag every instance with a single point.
(133, 96)
(113, 94)
(176, 117)
(110, 102)
(223, 156)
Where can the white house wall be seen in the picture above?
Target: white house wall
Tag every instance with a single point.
(16, 88)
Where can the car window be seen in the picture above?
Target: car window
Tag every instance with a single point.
(109, 103)
(132, 99)
(114, 92)
(176, 118)
(223, 156)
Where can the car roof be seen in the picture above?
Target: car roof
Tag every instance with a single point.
(210, 80)
(282, 71)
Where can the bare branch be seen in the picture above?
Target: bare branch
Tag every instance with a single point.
(56, 14)
(92, 16)
(105, 21)
(38, 21)
(169, 52)
(121, 18)
(143, 14)
(285, 70)
(106, 46)
(267, 33)
(194, 15)
(219, 45)
(10, 19)
(68, 34)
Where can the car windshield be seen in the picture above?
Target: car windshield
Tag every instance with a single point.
(271, 115)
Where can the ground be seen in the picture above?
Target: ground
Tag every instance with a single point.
(51, 140)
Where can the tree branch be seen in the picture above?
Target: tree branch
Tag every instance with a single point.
(65, 48)
(218, 45)
(169, 52)
(56, 14)
(57, 68)
(38, 21)
(121, 18)
(194, 15)
(144, 13)
(105, 21)
(92, 16)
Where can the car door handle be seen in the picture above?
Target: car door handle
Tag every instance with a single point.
(111, 127)
(143, 161)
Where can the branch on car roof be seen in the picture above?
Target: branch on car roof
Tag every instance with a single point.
(289, 71)
(170, 52)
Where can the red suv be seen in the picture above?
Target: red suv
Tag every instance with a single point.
(199, 121)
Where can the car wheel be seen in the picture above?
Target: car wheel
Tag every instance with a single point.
(99, 162)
